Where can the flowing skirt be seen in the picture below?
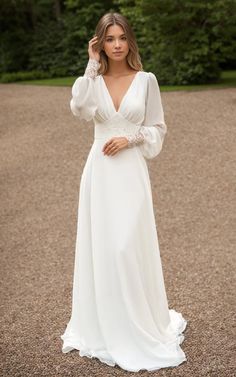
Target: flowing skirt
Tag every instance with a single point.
(120, 311)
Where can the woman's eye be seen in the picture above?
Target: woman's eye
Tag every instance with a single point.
(110, 39)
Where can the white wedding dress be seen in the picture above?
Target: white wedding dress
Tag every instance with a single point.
(120, 310)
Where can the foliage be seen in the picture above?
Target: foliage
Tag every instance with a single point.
(21, 76)
(193, 38)
(15, 33)
(182, 41)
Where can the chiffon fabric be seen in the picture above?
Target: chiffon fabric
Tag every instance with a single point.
(120, 312)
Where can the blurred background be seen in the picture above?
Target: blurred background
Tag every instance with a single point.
(183, 42)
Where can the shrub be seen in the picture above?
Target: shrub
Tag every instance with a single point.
(21, 76)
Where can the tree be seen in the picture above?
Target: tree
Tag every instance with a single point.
(194, 38)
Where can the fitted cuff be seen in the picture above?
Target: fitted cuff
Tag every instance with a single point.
(136, 139)
(92, 68)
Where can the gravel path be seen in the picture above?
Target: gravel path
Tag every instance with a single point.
(42, 153)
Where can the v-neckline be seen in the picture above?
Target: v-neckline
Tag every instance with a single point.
(124, 96)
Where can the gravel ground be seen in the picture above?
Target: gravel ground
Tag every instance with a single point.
(42, 153)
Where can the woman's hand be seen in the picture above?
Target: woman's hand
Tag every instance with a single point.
(93, 54)
(115, 145)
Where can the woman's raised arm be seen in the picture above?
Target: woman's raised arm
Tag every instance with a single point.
(83, 103)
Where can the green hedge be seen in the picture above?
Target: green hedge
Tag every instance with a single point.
(31, 75)
(181, 41)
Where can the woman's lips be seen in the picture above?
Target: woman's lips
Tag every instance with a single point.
(118, 52)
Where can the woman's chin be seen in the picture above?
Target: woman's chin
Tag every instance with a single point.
(118, 57)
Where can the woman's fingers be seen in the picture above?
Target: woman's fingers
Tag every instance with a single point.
(110, 145)
(107, 143)
(93, 53)
(93, 40)
(113, 150)
(109, 148)
(113, 145)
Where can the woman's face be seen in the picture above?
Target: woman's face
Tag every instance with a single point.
(116, 43)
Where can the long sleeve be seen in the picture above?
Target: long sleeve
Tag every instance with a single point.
(83, 103)
(152, 132)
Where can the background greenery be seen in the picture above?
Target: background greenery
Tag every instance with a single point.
(181, 41)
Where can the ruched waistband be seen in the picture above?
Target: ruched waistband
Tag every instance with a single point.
(112, 129)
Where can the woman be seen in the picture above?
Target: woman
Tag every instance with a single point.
(119, 309)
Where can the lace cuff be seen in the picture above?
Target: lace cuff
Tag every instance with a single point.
(136, 139)
(143, 135)
(92, 68)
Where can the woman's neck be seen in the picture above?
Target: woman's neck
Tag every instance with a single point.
(118, 68)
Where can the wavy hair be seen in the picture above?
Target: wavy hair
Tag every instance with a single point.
(114, 18)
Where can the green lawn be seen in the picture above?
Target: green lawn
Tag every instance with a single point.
(228, 79)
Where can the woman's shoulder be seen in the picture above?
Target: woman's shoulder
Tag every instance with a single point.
(148, 75)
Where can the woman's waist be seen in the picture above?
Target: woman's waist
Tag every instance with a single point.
(112, 129)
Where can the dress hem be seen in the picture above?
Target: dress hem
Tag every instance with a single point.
(70, 345)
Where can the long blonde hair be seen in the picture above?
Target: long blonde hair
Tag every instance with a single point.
(113, 18)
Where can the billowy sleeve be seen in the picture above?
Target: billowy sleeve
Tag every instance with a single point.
(151, 134)
(83, 103)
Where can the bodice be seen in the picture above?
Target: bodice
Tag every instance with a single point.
(140, 116)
